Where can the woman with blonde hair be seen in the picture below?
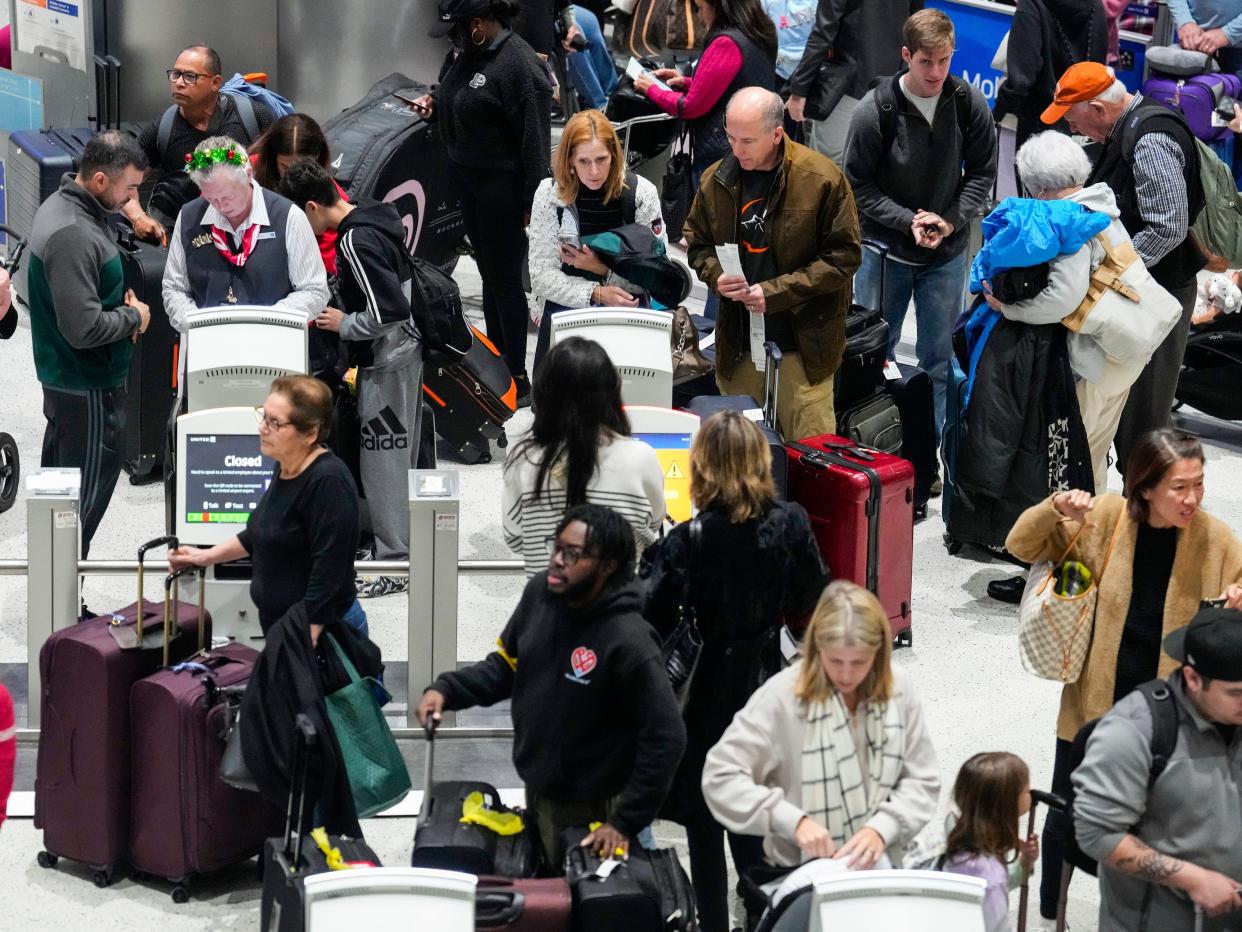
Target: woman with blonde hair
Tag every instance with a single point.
(753, 569)
(590, 192)
(831, 757)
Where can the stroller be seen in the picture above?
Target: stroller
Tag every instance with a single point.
(1211, 376)
(10, 462)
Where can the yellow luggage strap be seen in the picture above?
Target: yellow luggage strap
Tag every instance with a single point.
(475, 812)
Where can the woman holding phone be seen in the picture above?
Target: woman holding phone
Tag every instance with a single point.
(589, 192)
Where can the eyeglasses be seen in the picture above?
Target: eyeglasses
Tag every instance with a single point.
(569, 554)
(269, 422)
(189, 77)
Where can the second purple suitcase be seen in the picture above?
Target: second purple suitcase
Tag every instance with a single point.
(540, 905)
(184, 819)
(82, 770)
(1196, 98)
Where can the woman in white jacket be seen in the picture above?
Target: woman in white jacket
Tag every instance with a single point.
(1109, 350)
(589, 192)
(831, 757)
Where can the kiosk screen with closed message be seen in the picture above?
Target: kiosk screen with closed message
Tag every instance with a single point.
(225, 476)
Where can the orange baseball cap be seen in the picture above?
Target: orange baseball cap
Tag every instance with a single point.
(1085, 81)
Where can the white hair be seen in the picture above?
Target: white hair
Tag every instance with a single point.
(1052, 161)
(1114, 94)
(240, 170)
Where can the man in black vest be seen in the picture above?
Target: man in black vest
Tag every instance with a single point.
(1150, 160)
(238, 243)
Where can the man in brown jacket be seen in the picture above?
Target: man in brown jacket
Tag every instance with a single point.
(791, 213)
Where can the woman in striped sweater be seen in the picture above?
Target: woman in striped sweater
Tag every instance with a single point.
(579, 450)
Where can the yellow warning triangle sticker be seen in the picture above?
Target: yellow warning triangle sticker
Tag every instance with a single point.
(674, 472)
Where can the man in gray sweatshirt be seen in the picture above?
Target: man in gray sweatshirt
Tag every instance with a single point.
(921, 157)
(1176, 845)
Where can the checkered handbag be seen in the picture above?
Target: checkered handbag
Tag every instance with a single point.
(1054, 631)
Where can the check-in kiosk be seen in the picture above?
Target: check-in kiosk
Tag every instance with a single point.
(221, 475)
(637, 341)
(234, 352)
(669, 432)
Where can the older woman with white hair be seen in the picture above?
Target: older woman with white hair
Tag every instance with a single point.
(238, 243)
(1113, 330)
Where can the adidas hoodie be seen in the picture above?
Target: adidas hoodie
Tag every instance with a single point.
(375, 287)
(593, 712)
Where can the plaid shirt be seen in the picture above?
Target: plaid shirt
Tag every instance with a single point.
(1160, 186)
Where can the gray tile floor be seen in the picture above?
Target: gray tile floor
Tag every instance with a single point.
(964, 663)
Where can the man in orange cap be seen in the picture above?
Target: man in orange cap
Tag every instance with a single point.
(1150, 160)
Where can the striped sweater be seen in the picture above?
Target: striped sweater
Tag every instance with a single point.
(628, 479)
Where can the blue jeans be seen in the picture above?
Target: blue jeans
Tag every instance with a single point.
(356, 618)
(594, 74)
(938, 292)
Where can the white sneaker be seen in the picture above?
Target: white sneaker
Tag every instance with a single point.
(1048, 925)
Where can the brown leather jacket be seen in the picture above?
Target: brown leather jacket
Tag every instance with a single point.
(815, 240)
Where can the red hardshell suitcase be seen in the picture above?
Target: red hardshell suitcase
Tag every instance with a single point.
(524, 905)
(82, 770)
(184, 819)
(861, 504)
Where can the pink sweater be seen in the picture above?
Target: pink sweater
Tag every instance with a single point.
(718, 66)
(8, 750)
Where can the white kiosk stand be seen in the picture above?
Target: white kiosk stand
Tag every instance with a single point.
(637, 341)
(234, 352)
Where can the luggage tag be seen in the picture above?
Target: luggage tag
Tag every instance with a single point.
(891, 372)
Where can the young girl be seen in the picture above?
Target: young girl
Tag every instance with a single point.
(992, 793)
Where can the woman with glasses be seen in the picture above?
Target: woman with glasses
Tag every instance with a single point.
(302, 536)
(579, 450)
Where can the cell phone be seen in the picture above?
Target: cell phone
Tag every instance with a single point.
(1212, 603)
(1224, 108)
(569, 239)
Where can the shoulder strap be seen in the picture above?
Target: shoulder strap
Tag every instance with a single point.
(629, 198)
(1164, 726)
(961, 103)
(245, 109)
(886, 108)
(164, 133)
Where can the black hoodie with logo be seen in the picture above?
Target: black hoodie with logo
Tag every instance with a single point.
(593, 712)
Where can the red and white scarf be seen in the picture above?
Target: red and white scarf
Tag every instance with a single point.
(223, 245)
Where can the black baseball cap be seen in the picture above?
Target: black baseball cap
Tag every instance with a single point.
(1211, 644)
(450, 12)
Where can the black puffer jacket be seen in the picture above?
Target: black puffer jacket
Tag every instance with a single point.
(748, 579)
(1024, 436)
(1047, 36)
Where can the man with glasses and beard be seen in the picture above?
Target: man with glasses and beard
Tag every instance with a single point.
(597, 735)
(83, 321)
(199, 111)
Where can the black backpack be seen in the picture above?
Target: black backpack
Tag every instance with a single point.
(1164, 727)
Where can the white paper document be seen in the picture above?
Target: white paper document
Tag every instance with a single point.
(634, 68)
(731, 264)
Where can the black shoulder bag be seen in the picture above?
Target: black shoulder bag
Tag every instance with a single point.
(684, 646)
(677, 189)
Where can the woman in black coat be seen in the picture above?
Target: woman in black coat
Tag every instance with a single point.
(755, 568)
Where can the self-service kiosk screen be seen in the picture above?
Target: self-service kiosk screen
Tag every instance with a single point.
(225, 476)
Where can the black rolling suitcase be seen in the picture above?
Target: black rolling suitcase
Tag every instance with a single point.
(861, 374)
(442, 840)
(649, 890)
(151, 388)
(471, 399)
(289, 859)
(386, 151)
(707, 405)
(912, 393)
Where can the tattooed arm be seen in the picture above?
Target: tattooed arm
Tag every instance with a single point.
(1213, 891)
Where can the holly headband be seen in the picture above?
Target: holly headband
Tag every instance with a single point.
(202, 160)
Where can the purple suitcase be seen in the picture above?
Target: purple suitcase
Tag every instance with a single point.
(184, 819)
(1196, 98)
(82, 770)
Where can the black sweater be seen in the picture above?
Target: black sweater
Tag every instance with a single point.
(302, 539)
(593, 712)
(494, 107)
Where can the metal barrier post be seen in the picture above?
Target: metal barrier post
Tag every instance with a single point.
(431, 648)
(53, 542)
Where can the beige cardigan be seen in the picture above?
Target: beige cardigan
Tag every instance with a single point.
(752, 779)
(1208, 559)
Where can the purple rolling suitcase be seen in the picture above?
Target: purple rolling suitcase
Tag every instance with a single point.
(185, 820)
(1196, 98)
(82, 772)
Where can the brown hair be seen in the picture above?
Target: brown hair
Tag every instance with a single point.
(731, 466)
(583, 127)
(1150, 460)
(987, 793)
(311, 404)
(847, 615)
(297, 135)
(928, 30)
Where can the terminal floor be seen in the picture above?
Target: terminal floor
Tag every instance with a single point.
(964, 663)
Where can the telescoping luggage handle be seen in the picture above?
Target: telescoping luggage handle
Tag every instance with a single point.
(771, 382)
(17, 245)
(131, 637)
(307, 738)
(429, 729)
(171, 628)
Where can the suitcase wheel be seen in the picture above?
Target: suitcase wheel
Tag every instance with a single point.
(10, 472)
(904, 639)
(180, 894)
(47, 860)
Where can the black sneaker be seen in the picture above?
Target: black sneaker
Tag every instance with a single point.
(523, 390)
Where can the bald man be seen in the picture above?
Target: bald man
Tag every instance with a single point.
(791, 213)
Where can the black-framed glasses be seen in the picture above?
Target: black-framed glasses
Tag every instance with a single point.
(269, 422)
(189, 77)
(569, 553)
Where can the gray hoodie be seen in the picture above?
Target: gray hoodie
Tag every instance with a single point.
(1194, 811)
